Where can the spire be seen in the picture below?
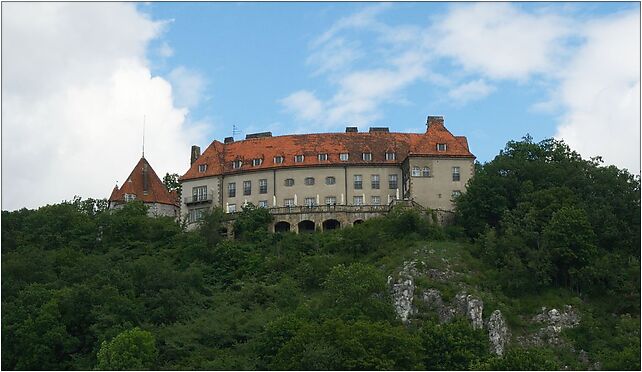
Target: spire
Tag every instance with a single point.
(143, 136)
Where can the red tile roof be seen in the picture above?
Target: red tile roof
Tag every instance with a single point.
(219, 157)
(135, 184)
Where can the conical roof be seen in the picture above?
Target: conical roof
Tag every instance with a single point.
(145, 184)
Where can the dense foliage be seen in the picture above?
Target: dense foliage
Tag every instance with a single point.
(544, 217)
(86, 288)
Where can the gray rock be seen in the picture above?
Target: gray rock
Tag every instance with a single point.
(402, 294)
(475, 308)
(553, 322)
(498, 333)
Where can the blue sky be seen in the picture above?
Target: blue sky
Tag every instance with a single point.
(252, 55)
(80, 78)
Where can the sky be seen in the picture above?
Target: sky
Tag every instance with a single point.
(80, 80)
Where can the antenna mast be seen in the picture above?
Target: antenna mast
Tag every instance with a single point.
(235, 130)
(143, 136)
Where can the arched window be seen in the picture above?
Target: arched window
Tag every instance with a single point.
(330, 180)
(416, 172)
(426, 172)
(309, 181)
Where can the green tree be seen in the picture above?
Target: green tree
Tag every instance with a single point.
(172, 183)
(134, 349)
(453, 346)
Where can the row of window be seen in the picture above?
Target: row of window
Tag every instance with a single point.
(425, 172)
(365, 156)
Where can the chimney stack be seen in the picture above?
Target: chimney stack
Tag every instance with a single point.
(196, 153)
(437, 121)
(228, 140)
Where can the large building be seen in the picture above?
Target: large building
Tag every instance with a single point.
(301, 173)
(143, 184)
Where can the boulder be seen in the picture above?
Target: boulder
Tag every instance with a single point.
(498, 333)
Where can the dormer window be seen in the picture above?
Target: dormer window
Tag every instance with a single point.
(236, 164)
(323, 157)
(343, 156)
(130, 197)
(391, 156)
(278, 159)
(441, 147)
(299, 158)
(366, 156)
(202, 168)
(256, 162)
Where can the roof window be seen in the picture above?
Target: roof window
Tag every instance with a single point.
(236, 164)
(344, 156)
(441, 147)
(299, 158)
(323, 157)
(367, 156)
(202, 168)
(256, 162)
(278, 159)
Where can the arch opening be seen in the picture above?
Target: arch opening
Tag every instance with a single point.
(281, 227)
(357, 222)
(306, 226)
(331, 224)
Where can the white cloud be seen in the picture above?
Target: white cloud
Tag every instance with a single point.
(75, 88)
(499, 41)
(334, 55)
(304, 105)
(470, 91)
(165, 50)
(188, 86)
(600, 91)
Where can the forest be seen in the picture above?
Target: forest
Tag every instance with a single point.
(86, 288)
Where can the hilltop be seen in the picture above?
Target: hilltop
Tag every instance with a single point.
(542, 267)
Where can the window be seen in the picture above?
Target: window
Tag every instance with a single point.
(202, 168)
(323, 157)
(357, 200)
(256, 162)
(343, 156)
(374, 181)
(358, 182)
(278, 159)
(309, 181)
(263, 204)
(237, 164)
(330, 180)
(391, 156)
(416, 172)
(330, 200)
(196, 214)
(299, 158)
(288, 202)
(376, 200)
(130, 197)
(231, 189)
(289, 182)
(367, 156)
(455, 193)
(247, 187)
(263, 186)
(425, 172)
(231, 208)
(455, 173)
(199, 193)
(392, 181)
(310, 202)
(441, 147)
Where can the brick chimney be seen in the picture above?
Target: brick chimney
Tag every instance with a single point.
(196, 153)
(436, 121)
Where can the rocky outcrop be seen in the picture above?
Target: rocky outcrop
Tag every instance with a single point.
(403, 293)
(433, 301)
(498, 333)
(472, 308)
(403, 290)
(553, 322)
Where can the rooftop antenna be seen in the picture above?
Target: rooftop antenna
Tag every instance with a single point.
(235, 130)
(143, 136)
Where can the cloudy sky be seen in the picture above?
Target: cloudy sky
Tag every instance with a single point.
(79, 79)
